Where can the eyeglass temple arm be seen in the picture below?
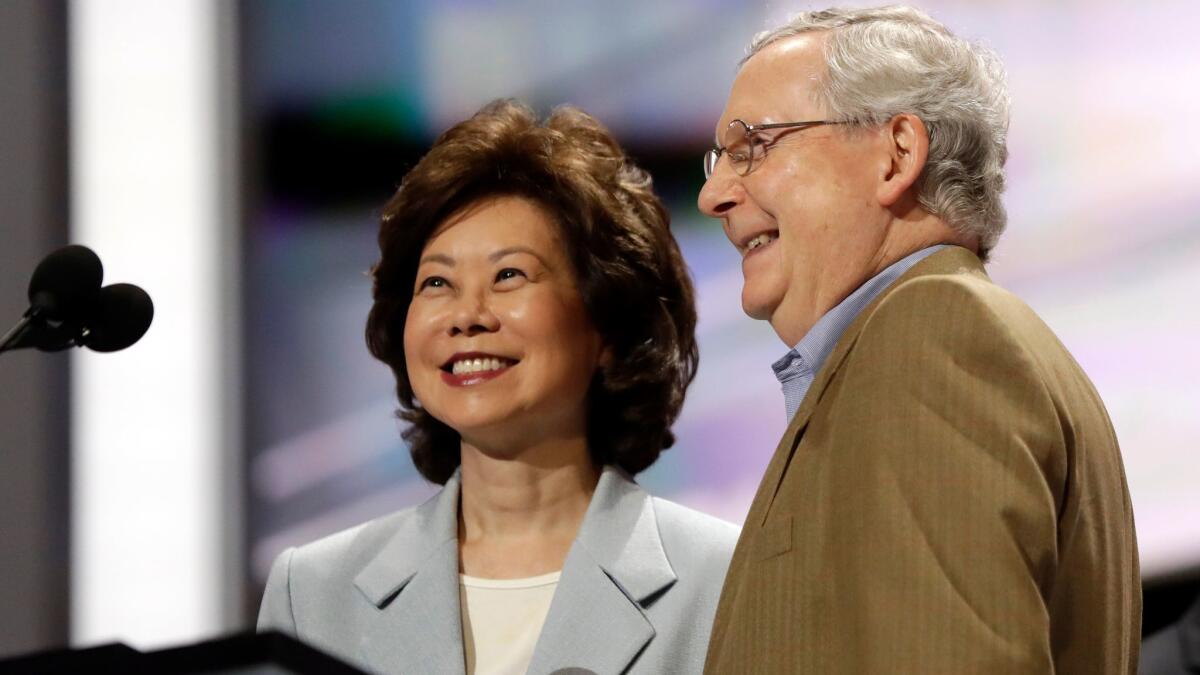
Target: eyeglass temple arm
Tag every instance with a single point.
(780, 125)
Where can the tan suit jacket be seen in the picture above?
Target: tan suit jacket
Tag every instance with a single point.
(949, 498)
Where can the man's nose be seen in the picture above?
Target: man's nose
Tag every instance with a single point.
(473, 315)
(721, 192)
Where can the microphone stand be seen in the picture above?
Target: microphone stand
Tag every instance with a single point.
(18, 331)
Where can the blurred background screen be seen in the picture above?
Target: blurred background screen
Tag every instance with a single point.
(341, 99)
(233, 159)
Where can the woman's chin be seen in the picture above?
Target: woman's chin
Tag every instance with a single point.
(467, 413)
(478, 427)
(507, 441)
(488, 455)
(490, 429)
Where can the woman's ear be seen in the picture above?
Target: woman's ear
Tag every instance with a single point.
(606, 357)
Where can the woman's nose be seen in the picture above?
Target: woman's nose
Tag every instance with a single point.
(473, 316)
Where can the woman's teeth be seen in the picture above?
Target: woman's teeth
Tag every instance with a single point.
(468, 366)
(761, 240)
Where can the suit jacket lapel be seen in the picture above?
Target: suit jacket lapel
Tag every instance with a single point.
(949, 260)
(413, 581)
(616, 566)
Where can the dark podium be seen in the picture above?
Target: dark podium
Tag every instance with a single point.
(245, 654)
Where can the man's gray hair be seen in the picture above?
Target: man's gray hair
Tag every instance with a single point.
(890, 60)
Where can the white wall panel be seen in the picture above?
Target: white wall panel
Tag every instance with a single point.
(149, 447)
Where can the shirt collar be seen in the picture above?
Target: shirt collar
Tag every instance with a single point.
(803, 361)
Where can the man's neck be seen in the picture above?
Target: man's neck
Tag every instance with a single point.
(913, 231)
(904, 235)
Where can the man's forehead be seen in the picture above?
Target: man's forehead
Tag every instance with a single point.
(778, 82)
(802, 46)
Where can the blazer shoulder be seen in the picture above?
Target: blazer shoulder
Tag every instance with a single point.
(315, 572)
(346, 552)
(962, 295)
(963, 289)
(694, 539)
(965, 312)
(966, 308)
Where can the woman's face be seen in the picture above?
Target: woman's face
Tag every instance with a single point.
(497, 342)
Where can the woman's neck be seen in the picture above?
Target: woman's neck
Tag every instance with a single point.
(519, 513)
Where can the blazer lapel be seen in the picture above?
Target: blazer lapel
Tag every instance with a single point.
(616, 567)
(950, 260)
(413, 581)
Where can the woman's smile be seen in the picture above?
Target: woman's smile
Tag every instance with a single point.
(472, 368)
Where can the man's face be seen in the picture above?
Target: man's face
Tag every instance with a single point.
(813, 195)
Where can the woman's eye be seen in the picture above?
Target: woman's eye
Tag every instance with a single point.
(433, 282)
(509, 273)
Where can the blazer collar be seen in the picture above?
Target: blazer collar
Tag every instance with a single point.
(950, 260)
(616, 567)
(620, 534)
(413, 581)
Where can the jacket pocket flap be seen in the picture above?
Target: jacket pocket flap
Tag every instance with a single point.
(774, 538)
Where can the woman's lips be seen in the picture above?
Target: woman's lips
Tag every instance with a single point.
(470, 379)
(466, 369)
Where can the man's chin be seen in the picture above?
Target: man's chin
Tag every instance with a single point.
(756, 307)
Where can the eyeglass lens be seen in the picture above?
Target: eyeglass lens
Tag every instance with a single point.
(738, 148)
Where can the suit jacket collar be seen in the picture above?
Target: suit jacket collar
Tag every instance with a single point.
(619, 533)
(615, 568)
(413, 581)
(950, 260)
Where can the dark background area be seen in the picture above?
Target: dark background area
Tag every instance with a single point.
(34, 403)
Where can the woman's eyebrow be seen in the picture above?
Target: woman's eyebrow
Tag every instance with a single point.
(511, 250)
(437, 258)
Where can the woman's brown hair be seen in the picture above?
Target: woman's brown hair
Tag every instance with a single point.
(630, 273)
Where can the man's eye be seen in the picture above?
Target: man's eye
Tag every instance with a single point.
(509, 273)
(758, 146)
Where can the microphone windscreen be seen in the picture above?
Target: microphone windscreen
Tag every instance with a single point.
(65, 284)
(123, 315)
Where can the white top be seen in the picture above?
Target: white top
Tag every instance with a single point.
(502, 619)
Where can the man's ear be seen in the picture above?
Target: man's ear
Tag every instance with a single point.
(906, 143)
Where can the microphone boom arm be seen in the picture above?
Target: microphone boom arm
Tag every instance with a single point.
(13, 336)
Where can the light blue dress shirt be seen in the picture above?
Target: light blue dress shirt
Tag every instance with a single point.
(799, 367)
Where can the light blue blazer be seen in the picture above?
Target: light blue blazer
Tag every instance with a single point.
(637, 594)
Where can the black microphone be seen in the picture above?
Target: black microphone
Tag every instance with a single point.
(68, 308)
(66, 284)
(123, 315)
